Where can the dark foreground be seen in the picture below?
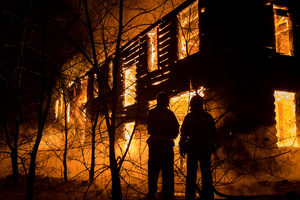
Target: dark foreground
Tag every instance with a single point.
(47, 189)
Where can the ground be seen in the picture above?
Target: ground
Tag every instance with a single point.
(50, 189)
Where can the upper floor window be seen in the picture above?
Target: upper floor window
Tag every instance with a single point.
(283, 31)
(188, 31)
(152, 50)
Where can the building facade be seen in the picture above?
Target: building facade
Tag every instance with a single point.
(243, 57)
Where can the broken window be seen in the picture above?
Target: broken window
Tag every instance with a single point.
(188, 37)
(283, 31)
(152, 50)
(130, 85)
(285, 119)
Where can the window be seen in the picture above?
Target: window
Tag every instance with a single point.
(188, 31)
(152, 50)
(285, 119)
(130, 84)
(283, 31)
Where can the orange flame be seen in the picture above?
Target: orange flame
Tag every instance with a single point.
(285, 119)
(283, 32)
(130, 83)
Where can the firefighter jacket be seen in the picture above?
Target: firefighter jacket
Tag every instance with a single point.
(162, 125)
(198, 133)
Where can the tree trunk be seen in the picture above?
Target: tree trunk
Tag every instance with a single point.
(92, 170)
(13, 154)
(14, 163)
(116, 184)
(66, 137)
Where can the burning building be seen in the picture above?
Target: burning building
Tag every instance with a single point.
(243, 58)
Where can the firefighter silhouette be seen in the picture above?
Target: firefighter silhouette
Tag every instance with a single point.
(198, 140)
(163, 128)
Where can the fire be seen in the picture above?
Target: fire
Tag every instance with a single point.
(130, 83)
(152, 51)
(188, 31)
(285, 119)
(56, 108)
(128, 131)
(180, 105)
(283, 31)
(110, 74)
(68, 112)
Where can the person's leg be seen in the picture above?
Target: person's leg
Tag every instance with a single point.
(207, 183)
(168, 171)
(153, 170)
(192, 165)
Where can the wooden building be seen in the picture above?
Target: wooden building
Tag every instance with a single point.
(245, 54)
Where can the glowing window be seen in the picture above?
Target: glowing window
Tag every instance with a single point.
(56, 108)
(179, 104)
(83, 96)
(188, 43)
(283, 31)
(68, 112)
(130, 84)
(128, 131)
(285, 119)
(152, 50)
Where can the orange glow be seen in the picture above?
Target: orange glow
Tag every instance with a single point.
(110, 74)
(283, 31)
(130, 83)
(180, 105)
(68, 112)
(159, 82)
(152, 51)
(285, 119)
(188, 31)
(128, 131)
(95, 89)
(56, 108)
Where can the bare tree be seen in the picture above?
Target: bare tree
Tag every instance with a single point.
(29, 76)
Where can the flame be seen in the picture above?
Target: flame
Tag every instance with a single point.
(56, 108)
(283, 32)
(68, 112)
(128, 130)
(188, 30)
(152, 50)
(180, 105)
(285, 119)
(130, 83)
